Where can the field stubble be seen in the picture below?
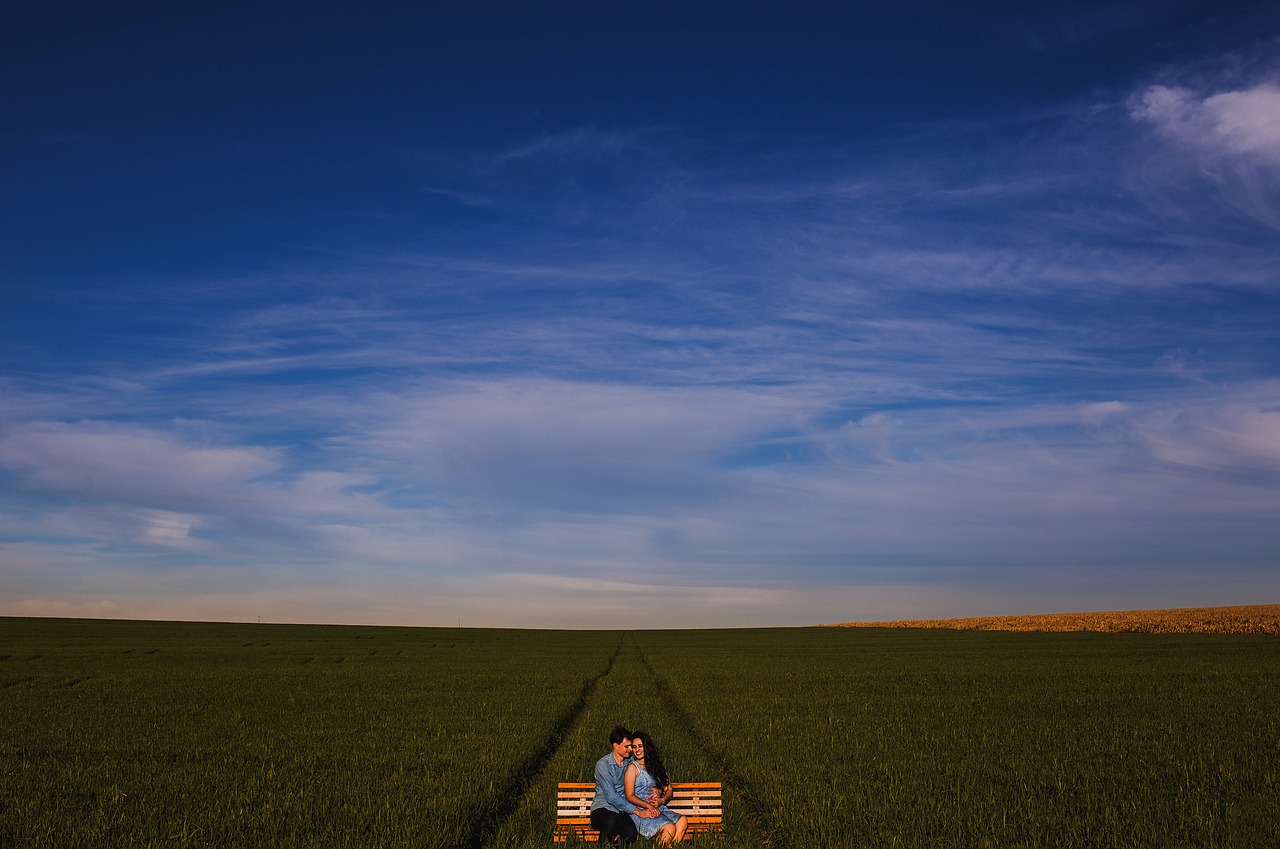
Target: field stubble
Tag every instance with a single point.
(150, 734)
(239, 735)
(929, 738)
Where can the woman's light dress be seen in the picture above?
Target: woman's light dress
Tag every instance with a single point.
(649, 826)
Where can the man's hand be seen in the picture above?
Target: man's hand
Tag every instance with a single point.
(646, 813)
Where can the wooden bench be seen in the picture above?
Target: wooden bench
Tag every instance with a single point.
(699, 801)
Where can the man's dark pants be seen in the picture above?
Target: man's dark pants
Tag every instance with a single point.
(613, 825)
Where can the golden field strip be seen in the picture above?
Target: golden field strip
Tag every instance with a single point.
(1245, 619)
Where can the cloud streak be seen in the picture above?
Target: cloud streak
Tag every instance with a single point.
(1223, 137)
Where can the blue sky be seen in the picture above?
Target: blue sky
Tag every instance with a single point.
(638, 315)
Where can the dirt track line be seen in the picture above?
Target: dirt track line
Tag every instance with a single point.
(757, 812)
(506, 800)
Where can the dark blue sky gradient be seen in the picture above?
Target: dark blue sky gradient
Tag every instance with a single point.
(163, 137)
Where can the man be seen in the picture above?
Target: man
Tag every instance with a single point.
(610, 810)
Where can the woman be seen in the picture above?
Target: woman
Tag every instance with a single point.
(647, 786)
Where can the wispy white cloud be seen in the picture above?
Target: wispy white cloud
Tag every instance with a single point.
(1221, 134)
(578, 144)
(1237, 442)
(1244, 123)
(578, 446)
(164, 527)
(465, 198)
(127, 461)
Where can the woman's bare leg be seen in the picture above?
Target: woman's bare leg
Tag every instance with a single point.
(666, 834)
(682, 825)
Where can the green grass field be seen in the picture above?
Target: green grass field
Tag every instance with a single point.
(139, 734)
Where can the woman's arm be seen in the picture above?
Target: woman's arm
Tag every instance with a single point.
(667, 793)
(629, 786)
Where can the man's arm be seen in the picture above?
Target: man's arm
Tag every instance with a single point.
(609, 789)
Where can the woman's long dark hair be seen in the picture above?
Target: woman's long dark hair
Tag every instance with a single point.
(653, 760)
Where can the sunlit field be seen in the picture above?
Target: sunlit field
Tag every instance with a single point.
(167, 734)
(1242, 619)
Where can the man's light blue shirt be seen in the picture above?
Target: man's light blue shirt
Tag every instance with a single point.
(610, 791)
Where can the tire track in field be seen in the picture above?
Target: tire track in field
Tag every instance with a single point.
(506, 800)
(757, 812)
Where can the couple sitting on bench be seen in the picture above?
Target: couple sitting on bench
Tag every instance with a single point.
(632, 789)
